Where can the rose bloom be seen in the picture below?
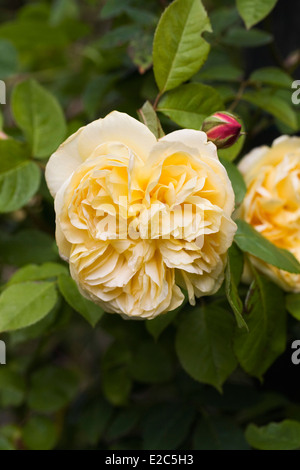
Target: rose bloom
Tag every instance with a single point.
(272, 202)
(139, 218)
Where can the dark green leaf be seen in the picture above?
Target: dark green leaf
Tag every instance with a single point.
(90, 311)
(203, 344)
(265, 315)
(166, 426)
(240, 37)
(218, 433)
(251, 241)
(40, 433)
(190, 104)
(237, 181)
(52, 388)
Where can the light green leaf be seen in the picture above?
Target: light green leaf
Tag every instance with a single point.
(190, 104)
(178, 49)
(203, 344)
(293, 305)
(240, 37)
(90, 311)
(40, 433)
(52, 388)
(8, 59)
(40, 117)
(265, 315)
(253, 11)
(237, 181)
(33, 272)
(251, 241)
(272, 76)
(18, 186)
(149, 117)
(12, 154)
(274, 105)
(218, 433)
(274, 436)
(24, 304)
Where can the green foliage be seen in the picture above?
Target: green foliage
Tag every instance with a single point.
(258, 348)
(190, 104)
(187, 379)
(179, 49)
(91, 312)
(275, 436)
(253, 11)
(39, 116)
(203, 345)
(250, 241)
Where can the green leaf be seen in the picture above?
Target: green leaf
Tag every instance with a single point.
(178, 49)
(220, 73)
(237, 181)
(160, 323)
(235, 258)
(33, 272)
(151, 363)
(27, 246)
(166, 426)
(272, 76)
(24, 304)
(240, 37)
(274, 436)
(253, 11)
(116, 385)
(218, 433)
(40, 117)
(123, 423)
(203, 344)
(274, 105)
(40, 433)
(116, 382)
(90, 311)
(8, 59)
(293, 305)
(94, 419)
(12, 154)
(12, 387)
(52, 388)
(190, 104)
(251, 241)
(18, 186)
(149, 117)
(257, 349)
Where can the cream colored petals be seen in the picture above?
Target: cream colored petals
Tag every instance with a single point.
(272, 202)
(139, 218)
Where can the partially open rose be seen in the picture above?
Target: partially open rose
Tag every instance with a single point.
(272, 202)
(136, 218)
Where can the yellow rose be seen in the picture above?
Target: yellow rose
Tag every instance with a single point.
(136, 218)
(272, 202)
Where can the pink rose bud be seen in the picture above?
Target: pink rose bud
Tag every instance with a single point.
(222, 129)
